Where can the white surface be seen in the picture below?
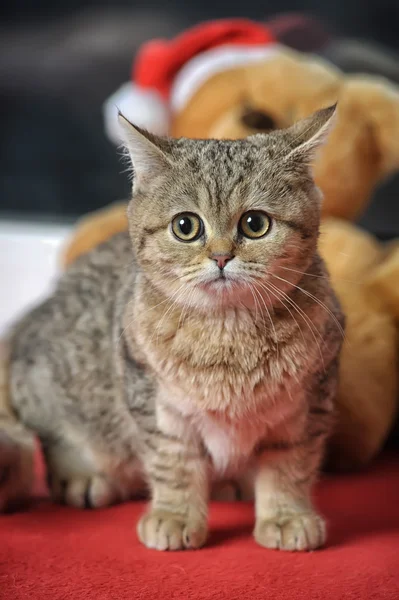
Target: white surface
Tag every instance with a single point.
(203, 66)
(29, 256)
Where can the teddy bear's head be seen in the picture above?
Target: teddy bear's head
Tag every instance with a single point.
(275, 93)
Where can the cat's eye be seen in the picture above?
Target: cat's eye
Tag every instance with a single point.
(254, 224)
(187, 227)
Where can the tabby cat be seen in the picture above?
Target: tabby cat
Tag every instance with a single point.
(202, 347)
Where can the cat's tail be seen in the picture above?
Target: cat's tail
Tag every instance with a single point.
(16, 447)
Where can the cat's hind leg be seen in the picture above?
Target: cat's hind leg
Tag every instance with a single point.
(85, 468)
(76, 477)
(16, 448)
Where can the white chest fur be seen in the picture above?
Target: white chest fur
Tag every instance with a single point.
(232, 385)
(230, 443)
(229, 447)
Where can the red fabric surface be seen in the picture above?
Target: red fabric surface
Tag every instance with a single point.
(54, 553)
(159, 61)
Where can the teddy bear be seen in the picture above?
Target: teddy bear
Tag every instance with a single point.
(365, 276)
(230, 79)
(233, 78)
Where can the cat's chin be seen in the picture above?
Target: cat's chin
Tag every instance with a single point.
(223, 292)
(220, 287)
(219, 283)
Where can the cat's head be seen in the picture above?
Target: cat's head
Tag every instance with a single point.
(210, 219)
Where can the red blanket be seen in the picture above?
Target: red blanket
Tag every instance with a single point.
(58, 553)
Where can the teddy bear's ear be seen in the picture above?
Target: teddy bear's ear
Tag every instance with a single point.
(307, 136)
(147, 152)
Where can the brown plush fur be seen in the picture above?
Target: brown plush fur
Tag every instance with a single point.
(93, 229)
(363, 275)
(385, 280)
(363, 148)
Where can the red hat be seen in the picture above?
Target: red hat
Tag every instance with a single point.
(166, 74)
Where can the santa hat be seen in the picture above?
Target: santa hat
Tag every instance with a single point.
(166, 74)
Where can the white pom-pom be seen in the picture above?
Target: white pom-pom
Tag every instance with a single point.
(141, 107)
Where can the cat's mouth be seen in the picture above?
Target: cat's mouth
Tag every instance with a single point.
(222, 282)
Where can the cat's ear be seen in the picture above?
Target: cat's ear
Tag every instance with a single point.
(307, 136)
(145, 150)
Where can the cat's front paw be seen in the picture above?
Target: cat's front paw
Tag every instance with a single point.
(306, 531)
(166, 531)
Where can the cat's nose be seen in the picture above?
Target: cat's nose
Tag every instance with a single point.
(221, 259)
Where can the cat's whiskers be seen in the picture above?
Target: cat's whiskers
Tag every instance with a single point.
(298, 309)
(319, 276)
(185, 307)
(174, 300)
(134, 300)
(264, 285)
(315, 299)
(255, 301)
(142, 313)
(258, 294)
(303, 272)
(268, 314)
(296, 306)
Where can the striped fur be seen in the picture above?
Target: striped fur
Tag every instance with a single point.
(146, 370)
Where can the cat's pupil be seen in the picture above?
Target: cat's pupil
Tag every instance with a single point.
(185, 225)
(255, 223)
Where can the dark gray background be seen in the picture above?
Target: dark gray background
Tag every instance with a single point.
(58, 64)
